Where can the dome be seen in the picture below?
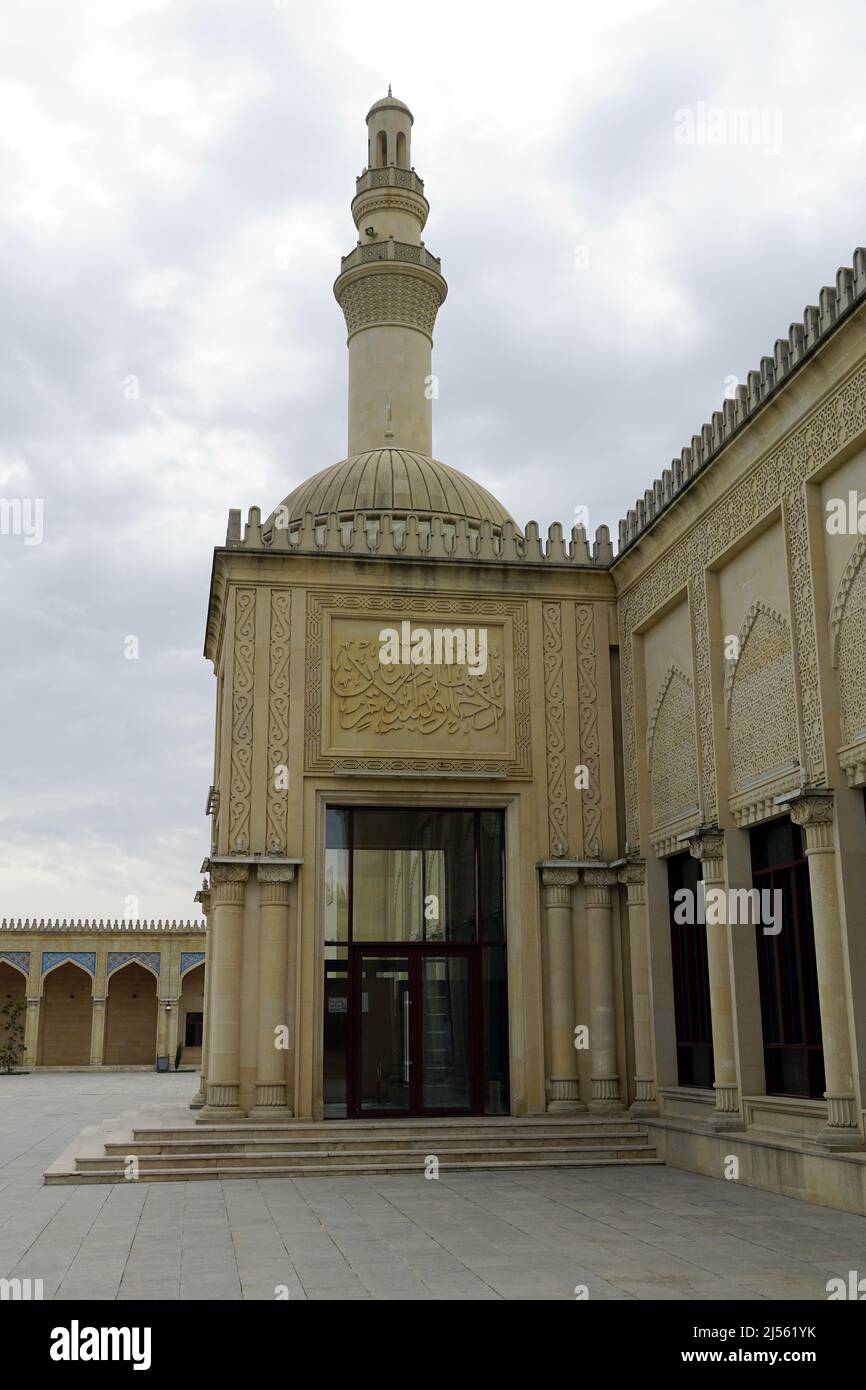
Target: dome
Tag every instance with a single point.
(390, 103)
(392, 481)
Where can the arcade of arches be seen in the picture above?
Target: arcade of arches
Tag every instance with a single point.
(119, 994)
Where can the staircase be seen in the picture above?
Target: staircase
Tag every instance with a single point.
(340, 1148)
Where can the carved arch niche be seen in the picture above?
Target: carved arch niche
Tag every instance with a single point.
(848, 635)
(760, 707)
(671, 750)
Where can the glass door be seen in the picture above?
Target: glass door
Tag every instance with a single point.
(384, 1028)
(416, 1035)
(446, 1039)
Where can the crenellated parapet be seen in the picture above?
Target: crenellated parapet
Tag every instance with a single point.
(412, 537)
(28, 924)
(819, 321)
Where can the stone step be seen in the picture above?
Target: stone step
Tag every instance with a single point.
(374, 1158)
(77, 1176)
(423, 1143)
(333, 1130)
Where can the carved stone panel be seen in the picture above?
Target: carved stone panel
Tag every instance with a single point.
(829, 428)
(671, 752)
(762, 717)
(242, 720)
(366, 711)
(587, 697)
(278, 719)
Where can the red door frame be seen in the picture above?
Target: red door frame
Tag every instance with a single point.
(413, 952)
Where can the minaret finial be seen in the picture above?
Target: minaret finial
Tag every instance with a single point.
(389, 88)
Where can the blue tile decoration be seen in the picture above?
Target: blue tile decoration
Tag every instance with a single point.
(87, 959)
(190, 958)
(19, 958)
(118, 958)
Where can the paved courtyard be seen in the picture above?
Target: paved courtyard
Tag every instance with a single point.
(643, 1233)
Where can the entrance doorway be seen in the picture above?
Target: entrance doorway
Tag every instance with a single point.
(415, 1037)
(416, 1019)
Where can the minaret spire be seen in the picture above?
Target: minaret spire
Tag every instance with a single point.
(390, 288)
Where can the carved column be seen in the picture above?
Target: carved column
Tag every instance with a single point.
(31, 1030)
(634, 877)
(228, 892)
(815, 814)
(198, 1100)
(602, 1016)
(274, 883)
(708, 846)
(562, 1078)
(97, 1031)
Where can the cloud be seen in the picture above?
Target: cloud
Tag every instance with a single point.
(177, 181)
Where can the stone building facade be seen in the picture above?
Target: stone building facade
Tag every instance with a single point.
(105, 994)
(657, 728)
(505, 824)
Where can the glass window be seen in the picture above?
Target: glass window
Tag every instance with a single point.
(413, 875)
(787, 970)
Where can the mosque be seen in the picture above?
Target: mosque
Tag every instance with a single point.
(515, 830)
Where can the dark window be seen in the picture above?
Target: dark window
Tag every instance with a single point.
(691, 978)
(790, 1013)
(192, 1036)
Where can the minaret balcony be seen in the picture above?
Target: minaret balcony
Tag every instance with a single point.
(391, 177)
(390, 250)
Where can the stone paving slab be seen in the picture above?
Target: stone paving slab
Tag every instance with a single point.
(648, 1234)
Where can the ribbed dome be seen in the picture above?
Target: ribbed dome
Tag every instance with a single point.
(390, 103)
(393, 481)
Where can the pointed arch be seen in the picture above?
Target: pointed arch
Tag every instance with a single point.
(672, 760)
(673, 672)
(760, 701)
(843, 593)
(848, 644)
(756, 607)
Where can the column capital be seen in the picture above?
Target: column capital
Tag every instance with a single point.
(814, 812)
(274, 880)
(598, 883)
(228, 883)
(707, 844)
(558, 884)
(633, 875)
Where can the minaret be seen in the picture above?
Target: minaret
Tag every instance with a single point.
(390, 289)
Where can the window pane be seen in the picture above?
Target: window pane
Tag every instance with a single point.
(495, 995)
(336, 1041)
(491, 869)
(445, 1032)
(388, 895)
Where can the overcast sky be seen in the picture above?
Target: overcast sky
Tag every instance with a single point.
(176, 178)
